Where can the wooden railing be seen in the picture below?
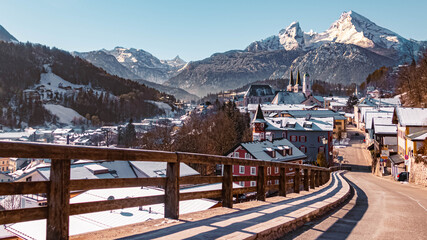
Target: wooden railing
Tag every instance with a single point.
(58, 188)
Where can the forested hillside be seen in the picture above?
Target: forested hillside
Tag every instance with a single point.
(106, 98)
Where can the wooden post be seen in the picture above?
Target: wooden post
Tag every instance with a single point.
(282, 182)
(227, 187)
(172, 191)
(58, 200)
(297, 181)
(260, 183)
(306, 177)
(316, 181)
(312, 179)
(321, 177)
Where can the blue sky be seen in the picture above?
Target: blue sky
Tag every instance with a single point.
(192, 29)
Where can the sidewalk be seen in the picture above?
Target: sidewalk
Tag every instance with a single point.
(267, 220)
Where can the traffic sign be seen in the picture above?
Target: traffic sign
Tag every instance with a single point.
(406, 157)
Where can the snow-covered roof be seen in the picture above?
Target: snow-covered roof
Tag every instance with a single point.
(258, 90)
(288, 98)
(300, 124)
(158, 169)
(14, 135)
(418, 136)
(206, 187)
(412, 116)
(385, 129)
(258, 150)
(96, 221)
(374, 114)
(278, 107)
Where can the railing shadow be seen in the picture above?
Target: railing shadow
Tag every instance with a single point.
(343, 227)
(214, 231)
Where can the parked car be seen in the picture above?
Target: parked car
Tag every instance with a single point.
(403, 176)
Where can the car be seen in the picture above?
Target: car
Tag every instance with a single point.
(403, 176)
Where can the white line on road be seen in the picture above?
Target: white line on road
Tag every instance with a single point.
(416, 201)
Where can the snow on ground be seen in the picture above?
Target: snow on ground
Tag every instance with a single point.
(52, 81)
(64, 114)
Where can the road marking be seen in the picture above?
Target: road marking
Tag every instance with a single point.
(417, 202)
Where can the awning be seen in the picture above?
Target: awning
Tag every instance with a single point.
(397, 159)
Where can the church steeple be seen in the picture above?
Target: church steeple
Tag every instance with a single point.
(298, 79)
(258, 124)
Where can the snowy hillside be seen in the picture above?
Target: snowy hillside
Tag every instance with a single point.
(65, 115)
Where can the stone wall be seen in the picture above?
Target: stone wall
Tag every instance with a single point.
(418, 174)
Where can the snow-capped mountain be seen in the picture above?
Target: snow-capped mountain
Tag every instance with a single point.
(134, 64)
(6, 36)
(350, 28)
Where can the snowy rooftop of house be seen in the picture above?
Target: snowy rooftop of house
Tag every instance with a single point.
(258, 90)
(258, 150)
(96, 221)
(374, 114)
(371, 109)
(206, 187)
(158, 169)
(412, 116)
(320, 113)
(385, 129)
(381, 101)
(336, 99)
(278, 107)
(288, 98)
(14, 135)
(300, 124)
(338, 104)
(418, 136)
(62, 131)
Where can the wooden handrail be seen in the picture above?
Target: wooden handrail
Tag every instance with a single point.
(59, 186)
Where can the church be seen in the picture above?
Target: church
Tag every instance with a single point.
(303, 86)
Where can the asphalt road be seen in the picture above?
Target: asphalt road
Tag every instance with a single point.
(380, 208)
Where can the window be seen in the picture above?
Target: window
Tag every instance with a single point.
(247, 155)
(276, 182)
(303, 139)
(253, 170)
(276, 169)
(28, 179)
(293, 138)
(236, 154)
(268, 170)
(253, 183)
(321, 149)
(242, 169)
(303, 149)
(242, 184)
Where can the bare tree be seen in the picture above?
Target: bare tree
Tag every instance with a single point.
(12, 202)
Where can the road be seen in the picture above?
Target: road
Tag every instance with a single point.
(379, 208)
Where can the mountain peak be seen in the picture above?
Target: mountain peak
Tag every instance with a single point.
(6, 36)
(292, 37)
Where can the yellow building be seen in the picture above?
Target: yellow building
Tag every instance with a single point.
(4, 164)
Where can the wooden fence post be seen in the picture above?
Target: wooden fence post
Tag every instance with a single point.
(227, 187)
(297, 181)
(260, 183)
(321, 177)
(312, 173)
(306, 177)
(172, 190)
(317, 178)
(282, 182)
(58, 200)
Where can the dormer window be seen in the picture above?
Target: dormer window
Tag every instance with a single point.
(270, 152)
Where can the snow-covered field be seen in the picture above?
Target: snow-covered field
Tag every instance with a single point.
(64, 114)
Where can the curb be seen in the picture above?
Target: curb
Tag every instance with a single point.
(281, 230)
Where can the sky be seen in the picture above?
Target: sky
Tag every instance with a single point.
(193, 29)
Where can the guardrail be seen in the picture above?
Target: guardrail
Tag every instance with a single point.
(58, 188)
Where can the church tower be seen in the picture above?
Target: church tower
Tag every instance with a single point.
(297, 86)
(258, 126)
(306, 85)
(291, 83)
